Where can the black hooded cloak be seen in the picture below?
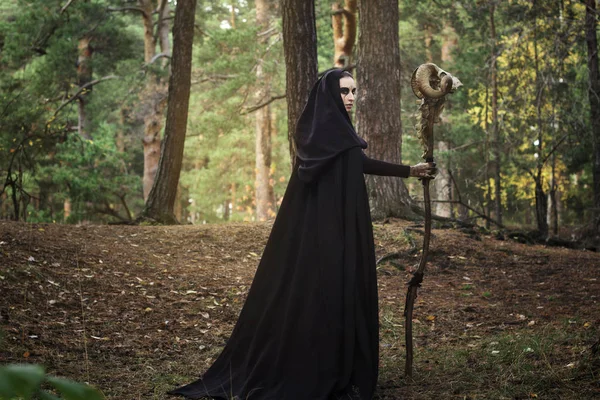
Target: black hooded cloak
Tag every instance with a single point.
(309, 327)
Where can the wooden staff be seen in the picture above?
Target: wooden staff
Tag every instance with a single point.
(431, 84)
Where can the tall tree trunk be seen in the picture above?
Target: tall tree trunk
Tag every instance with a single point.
(232, 15)
(486, 154)
(163, 29)
(343, 21)
(154, 94)
(541, 206)
(496, 145)
(265, 200)
(428, 39)
(442, 185)
(553, 220)
(300, 51)
(594, 93)
(378, 104)
(553, 199)
(449, 42)
(84, 75)
(161, 201)
(66, 209)
(541, 200)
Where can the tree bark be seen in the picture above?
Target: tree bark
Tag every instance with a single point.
(541, 199)
(441, 185)
(496, 151)
(232, 14)
(154, 94)
(541, 207)
(553, 200)
(300, 51)
(163, 29)
(161, 201)
(487, 203)
(84, 75)
(343, 21)
(378, 103)
(265, 199)
(449, 42)
(428, 39)
(594, 99)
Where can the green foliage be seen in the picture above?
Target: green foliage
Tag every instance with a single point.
(46, 166)
(219, 152)
(24, 381)
(40, 151)
(467, 124)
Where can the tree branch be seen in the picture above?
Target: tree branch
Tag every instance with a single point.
(214, 78)
(259, 106)
(119, 9)
(81, 89)
(122, 197)
(268, 32)
(480, 215)
(109, 211)
(465, 145)
(156, 57)
(342, 11)
(459, 201)
(554, 148)
(64, 8)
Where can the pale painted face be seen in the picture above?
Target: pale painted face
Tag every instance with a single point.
(348, 92)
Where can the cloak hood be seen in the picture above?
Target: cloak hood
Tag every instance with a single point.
(324, 129)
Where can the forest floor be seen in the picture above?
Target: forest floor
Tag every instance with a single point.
(136, 311)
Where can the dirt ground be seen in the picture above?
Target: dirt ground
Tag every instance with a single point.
(136, 311)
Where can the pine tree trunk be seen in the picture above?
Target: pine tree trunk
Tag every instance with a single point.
(265, 201)
(161, 200)
(84, 75)
(300, 50)
(343, 21)
(541, 207)
(449, 42)
(163, 29)
(496, 151)
(541, 200)
(153, 123)
(487, 204)
(594, 93)
(154, 94)
(442, 186)
(378, 102)
(428, 39)
(66, 209)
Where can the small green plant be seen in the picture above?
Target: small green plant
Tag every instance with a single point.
(24, 381)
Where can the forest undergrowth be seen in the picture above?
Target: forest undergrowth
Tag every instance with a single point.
(138, 310)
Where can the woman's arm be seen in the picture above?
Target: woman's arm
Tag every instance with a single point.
(376, 167)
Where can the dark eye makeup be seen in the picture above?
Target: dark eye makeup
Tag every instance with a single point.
(344, 91)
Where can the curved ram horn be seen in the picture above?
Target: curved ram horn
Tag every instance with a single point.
(431, 81)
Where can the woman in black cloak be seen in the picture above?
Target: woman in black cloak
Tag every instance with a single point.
(309, 328)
